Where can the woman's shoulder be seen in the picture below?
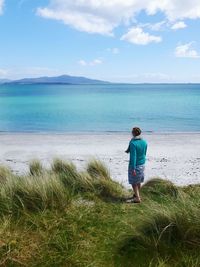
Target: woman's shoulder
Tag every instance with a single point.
(132, 143)
(139, 141)
(144, 142)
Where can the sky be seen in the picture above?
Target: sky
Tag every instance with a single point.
(131, 41)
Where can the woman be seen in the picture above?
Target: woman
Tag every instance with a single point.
(137, 149)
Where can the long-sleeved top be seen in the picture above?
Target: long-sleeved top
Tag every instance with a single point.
(138, 150)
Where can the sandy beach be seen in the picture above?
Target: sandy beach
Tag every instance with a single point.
(170, 156)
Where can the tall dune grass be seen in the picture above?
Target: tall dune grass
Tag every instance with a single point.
(167, 231)
(70, 177)
(36, 168)
(31, 194)
(98, 170)
(162, 188)
(46, 189)
(95, 179)
(64, 217)
(5, 172)
(103, 184)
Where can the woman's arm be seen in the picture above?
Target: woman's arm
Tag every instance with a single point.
(146, 149)
(128, 149)
(133, 156)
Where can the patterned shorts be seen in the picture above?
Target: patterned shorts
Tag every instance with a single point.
(139, 178)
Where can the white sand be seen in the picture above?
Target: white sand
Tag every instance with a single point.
(171, 156)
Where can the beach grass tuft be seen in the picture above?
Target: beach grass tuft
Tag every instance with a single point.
(26, 193)
(35, 167)
(97, 169)
(5, 173)
(169, 233)
(75, 181)
(161, 187)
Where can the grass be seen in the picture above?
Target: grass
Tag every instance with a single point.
(63, 217)
(35, 168)
(5, 173)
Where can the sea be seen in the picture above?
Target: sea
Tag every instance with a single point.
(44, 108)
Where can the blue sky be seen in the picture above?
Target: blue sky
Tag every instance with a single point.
(116, 40)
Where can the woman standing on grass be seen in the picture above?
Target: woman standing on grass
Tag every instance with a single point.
(137, 149)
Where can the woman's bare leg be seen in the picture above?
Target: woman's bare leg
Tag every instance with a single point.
(139, 186)
(136, 192)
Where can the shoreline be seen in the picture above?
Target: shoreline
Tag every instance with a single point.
(172, 156)
(95, 133)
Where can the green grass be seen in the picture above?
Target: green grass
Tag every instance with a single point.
(35, 168)
(63, 217)
(5, 173)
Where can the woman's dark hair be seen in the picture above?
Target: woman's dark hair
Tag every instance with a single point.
(136, 131)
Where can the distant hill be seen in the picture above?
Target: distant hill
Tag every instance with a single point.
(63, 79)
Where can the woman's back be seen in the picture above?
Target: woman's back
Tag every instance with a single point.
(138, 149)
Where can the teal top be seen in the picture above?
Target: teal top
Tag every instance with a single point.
(138, 150)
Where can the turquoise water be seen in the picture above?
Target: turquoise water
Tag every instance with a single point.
(99, 108)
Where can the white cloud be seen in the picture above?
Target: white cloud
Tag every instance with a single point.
(186, 51)
(136, 35)
(154, 26)
(175, 9)
(80, 15)
(1, 6)
(162, 25)
(94, 62)
(178, 25)
(157, 26)
(103, 16)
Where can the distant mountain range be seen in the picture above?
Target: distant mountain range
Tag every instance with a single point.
(63, 79)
